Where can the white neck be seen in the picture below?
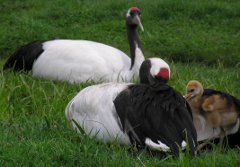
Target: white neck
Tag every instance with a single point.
(132, 74)
(139, 58)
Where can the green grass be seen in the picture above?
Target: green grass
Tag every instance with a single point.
(200, 40)
(196, 30)
(34, 130)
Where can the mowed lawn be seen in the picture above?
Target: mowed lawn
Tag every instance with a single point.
(198, 38)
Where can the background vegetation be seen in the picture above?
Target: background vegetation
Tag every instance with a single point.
(199, 38)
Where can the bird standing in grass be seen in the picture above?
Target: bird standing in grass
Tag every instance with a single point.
(212, 110)
(150, 114)
(81, 60)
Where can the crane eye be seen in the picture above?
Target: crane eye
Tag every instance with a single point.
(133, 13)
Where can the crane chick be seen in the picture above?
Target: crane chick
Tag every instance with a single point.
(218, 109)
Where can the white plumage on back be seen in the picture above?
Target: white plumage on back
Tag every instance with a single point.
(94, 110)
(66, 59)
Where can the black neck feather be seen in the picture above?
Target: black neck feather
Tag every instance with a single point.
(133, 41)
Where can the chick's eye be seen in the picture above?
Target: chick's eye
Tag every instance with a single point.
(190, 91)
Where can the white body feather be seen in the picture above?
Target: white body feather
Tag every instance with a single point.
(205, 131)
(93, 109)
(80, 60)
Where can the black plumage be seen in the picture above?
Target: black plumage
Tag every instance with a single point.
(158, 112)
(25, 56)
(145, 75)
(233, 140)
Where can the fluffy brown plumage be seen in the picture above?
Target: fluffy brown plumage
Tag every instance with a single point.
(212, 110)
(217, 107)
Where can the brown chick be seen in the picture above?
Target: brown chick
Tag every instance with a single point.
(194, 92)
(219, 112)
(219, 109)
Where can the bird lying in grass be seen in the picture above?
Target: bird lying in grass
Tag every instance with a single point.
(77, 61)
(215, 113)
(151, 114)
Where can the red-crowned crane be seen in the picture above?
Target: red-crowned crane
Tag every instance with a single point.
(148, 114)
(81, 60)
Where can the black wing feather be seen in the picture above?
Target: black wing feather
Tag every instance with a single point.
(157, 112)
(24, 57)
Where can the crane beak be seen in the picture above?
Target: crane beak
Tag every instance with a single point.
(138, 20)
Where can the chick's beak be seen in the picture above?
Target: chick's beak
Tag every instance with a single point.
(188, 96)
